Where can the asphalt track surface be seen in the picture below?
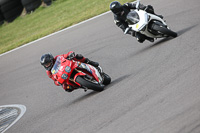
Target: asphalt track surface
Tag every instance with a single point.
(155, 86)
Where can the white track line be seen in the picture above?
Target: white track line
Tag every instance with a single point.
(22, 111)
(55, 33)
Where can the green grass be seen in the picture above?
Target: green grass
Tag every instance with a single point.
(46, 20)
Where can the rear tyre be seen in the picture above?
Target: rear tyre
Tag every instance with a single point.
(88, 84)
(163, 29)
(107, 79)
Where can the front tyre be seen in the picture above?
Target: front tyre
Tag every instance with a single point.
(106, 79)
(90, 85)
(163, 29)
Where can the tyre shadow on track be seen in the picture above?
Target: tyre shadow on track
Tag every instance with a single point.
(116, 81)
(181, 32)
(90, 94)
(152, 46)
(78, 100)
(84, 97)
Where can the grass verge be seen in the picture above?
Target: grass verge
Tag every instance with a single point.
(46, 20)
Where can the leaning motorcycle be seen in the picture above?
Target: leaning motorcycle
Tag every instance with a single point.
(79, 75)
(147, 24)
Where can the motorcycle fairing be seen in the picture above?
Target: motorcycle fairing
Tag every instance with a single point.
(84, 66)
(64, 76)
(78, 74)
(143, 18)
(61, 69)
(92, 70)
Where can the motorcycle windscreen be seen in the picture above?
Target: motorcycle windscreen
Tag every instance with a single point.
(56, 73)
(132, 17)
(56, 66)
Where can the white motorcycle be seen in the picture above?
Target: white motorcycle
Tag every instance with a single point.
(147, 24)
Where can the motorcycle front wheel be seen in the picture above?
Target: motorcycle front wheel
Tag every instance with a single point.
(161, 28)
(88, 84)
(107, 79)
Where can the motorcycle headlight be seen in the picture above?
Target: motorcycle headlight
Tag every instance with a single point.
(67, 69)
(64, 76)
(132, 17)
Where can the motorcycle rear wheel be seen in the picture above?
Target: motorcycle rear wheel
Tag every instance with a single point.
(89, 85)
(161, 28)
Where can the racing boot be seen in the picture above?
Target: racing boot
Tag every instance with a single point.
(95, 64)
(159, 16)
(140, 38)
(150, 39)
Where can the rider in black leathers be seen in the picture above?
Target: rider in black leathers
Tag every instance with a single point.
(120, 12)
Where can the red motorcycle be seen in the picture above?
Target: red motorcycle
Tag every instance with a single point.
(79, 75)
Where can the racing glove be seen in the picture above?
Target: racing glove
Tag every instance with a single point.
(71, 56)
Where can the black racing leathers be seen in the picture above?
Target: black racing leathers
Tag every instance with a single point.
(120, 20)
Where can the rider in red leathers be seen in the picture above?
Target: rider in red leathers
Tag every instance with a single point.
(47, 60)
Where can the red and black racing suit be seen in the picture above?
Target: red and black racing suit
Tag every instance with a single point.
(77, 57)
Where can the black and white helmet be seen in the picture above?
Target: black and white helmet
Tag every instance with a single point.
(47, 61)
(116, 7)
